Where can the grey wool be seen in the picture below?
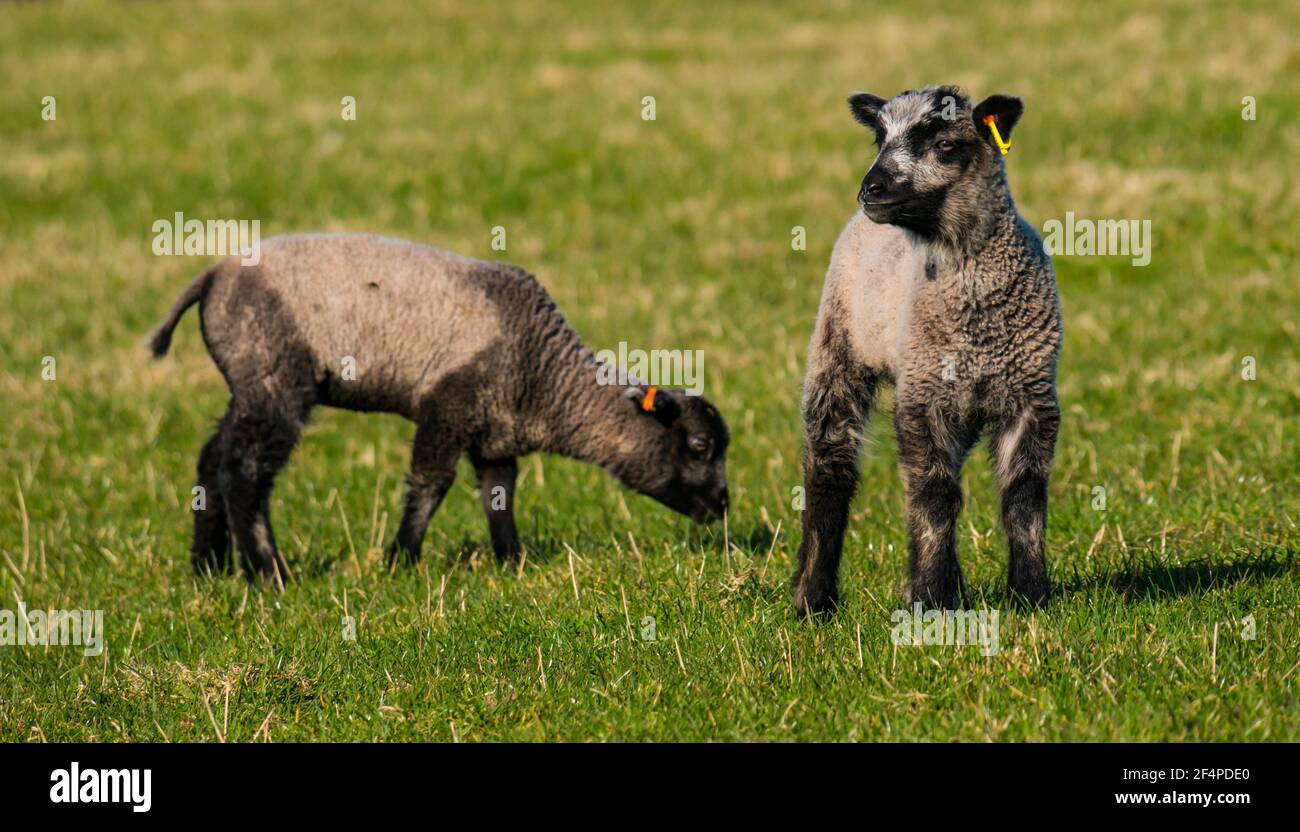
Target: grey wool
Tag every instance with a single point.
(939, 288)
(474, 352)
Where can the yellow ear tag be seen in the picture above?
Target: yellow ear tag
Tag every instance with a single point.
(648, 403)
(992, 122)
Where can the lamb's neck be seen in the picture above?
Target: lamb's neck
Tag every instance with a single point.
(589, 419)
(993, 225)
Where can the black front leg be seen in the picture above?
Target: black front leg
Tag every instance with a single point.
(835, 410)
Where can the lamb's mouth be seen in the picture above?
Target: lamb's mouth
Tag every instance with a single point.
(705, 513)
(700, 510)
(885, 211)
(903, 212)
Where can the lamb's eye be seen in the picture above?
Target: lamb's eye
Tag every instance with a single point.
(946, 145)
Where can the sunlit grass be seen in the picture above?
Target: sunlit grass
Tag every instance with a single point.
(670, 233)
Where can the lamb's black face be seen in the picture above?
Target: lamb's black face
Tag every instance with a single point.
(689, 470)
(936, 155)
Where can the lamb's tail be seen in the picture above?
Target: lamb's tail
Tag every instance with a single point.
(161, 339)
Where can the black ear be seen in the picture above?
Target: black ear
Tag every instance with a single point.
(1006, 111)
(652, 401)
(866, 110)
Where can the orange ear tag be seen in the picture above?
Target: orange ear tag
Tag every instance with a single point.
(992, 122)
(648, 403)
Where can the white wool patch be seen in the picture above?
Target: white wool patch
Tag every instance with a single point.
(903, 113)
(897, 117)
(1009, 443)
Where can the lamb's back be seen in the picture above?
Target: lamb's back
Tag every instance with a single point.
(380, 322)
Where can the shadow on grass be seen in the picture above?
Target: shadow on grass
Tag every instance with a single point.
(757, 540)
(1145, 581)
(1138, 581)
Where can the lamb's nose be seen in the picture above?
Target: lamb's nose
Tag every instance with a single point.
(875, 189)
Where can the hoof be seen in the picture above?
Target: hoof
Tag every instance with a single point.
(811, 601)
(509, 557)
(269, 577)
(1031, 594)
(932, 597)
(399, 555)
(209, 564)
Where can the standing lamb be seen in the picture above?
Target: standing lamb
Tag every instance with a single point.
(475, 353)
(940, 288)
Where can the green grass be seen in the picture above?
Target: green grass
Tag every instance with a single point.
(668, 233)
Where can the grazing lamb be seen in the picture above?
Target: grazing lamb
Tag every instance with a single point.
(475, 353)
(940, 288)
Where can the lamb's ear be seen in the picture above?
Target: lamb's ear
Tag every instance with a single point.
(1005, 109)
(654, 402)
(866, 110)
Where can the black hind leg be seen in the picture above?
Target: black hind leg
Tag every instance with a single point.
(210, 552)
(433, 470)
(931, 450)
(1024, 446)
(256, 444)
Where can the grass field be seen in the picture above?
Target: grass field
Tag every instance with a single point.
(671, 233)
